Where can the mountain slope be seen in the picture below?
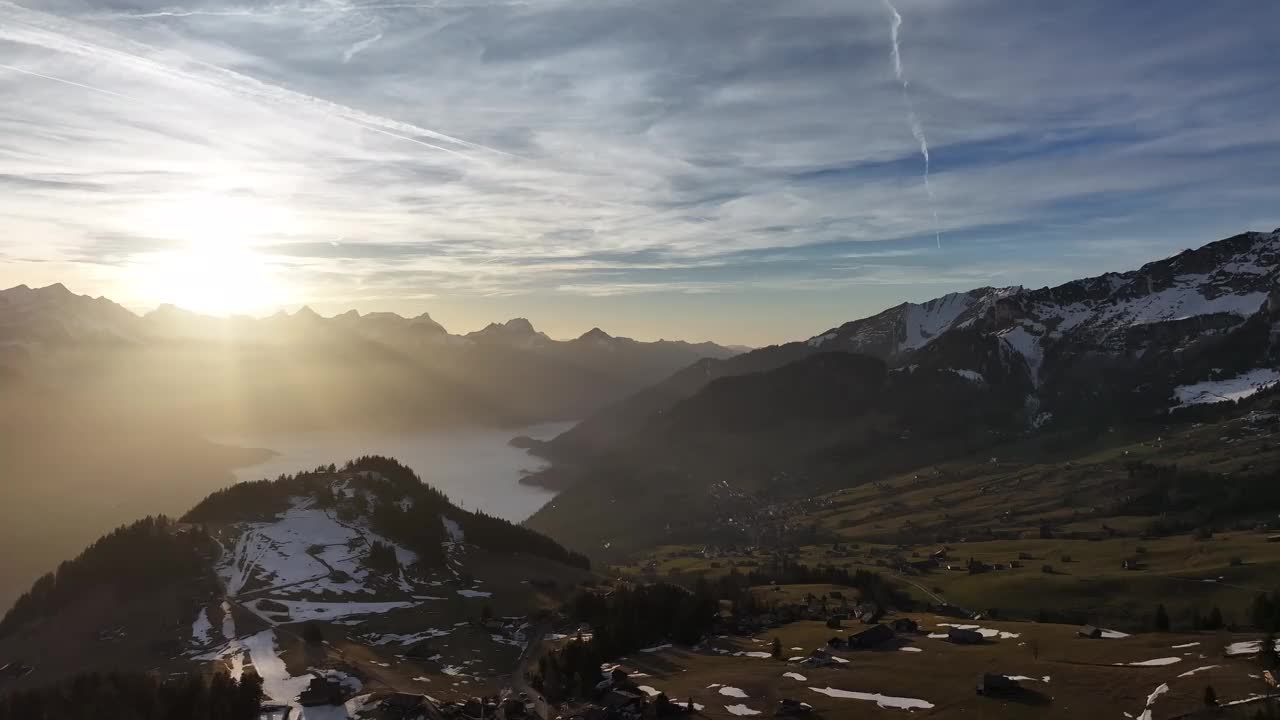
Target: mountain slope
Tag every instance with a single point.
(376, 561)
(1164, 318)
(1003, 364)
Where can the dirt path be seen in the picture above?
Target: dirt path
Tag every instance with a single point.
(531, 650)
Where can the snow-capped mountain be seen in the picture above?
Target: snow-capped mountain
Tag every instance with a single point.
(1211, 314)
(1163, 321)
(1195, 294)
(909, 326)
(1204, 314)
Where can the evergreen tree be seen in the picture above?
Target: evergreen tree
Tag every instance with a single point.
(1161, 620)
(777, 649)
(1214, 621)
(1268, 656)
(312, 634)
(1210, 696)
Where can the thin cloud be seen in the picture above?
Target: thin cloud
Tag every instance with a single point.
(359, 47)
(527, 150)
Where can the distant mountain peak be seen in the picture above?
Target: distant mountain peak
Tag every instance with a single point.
(516, 331)
(519, 325)
(306, 312)
(595, 333)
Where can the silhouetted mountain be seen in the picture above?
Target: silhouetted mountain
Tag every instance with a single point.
(290, 370)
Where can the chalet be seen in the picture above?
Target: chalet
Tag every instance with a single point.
(1131, 565)
(873, 636)
(1273, 538)
(321, 691)
(868, 613)
(993, 684)
(836, 643)
(960, 636)
(1089, 631)
(818, 658)
(905, 625)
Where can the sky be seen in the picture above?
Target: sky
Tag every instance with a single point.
(747, 172)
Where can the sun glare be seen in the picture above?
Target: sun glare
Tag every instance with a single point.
(216, 268)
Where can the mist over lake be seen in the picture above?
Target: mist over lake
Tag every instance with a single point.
(475, 467)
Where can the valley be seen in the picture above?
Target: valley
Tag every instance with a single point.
(1000, 503)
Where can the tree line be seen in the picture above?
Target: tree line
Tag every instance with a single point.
(395, 482)
(138, 696)
(627, 619)
(147, 554)
(871, 586)
(381, 485)
(1187, 499)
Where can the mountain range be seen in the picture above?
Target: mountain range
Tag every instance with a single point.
(389, 370)
(920, 383)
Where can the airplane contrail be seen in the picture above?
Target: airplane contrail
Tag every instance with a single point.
(51, 32)
(302, 9)
(64, 81)
(917, 129)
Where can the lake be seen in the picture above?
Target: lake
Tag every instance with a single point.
(475, 467)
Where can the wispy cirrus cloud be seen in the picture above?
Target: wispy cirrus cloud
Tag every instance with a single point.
(547, 149)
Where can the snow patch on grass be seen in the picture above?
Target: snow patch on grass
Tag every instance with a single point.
(884, 701)
(1158, 662)
(201, 628)
(1230, 389)
(318, 610)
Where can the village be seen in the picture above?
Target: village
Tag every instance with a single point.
(799, 657)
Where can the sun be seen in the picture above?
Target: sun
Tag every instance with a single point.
(216, 267)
